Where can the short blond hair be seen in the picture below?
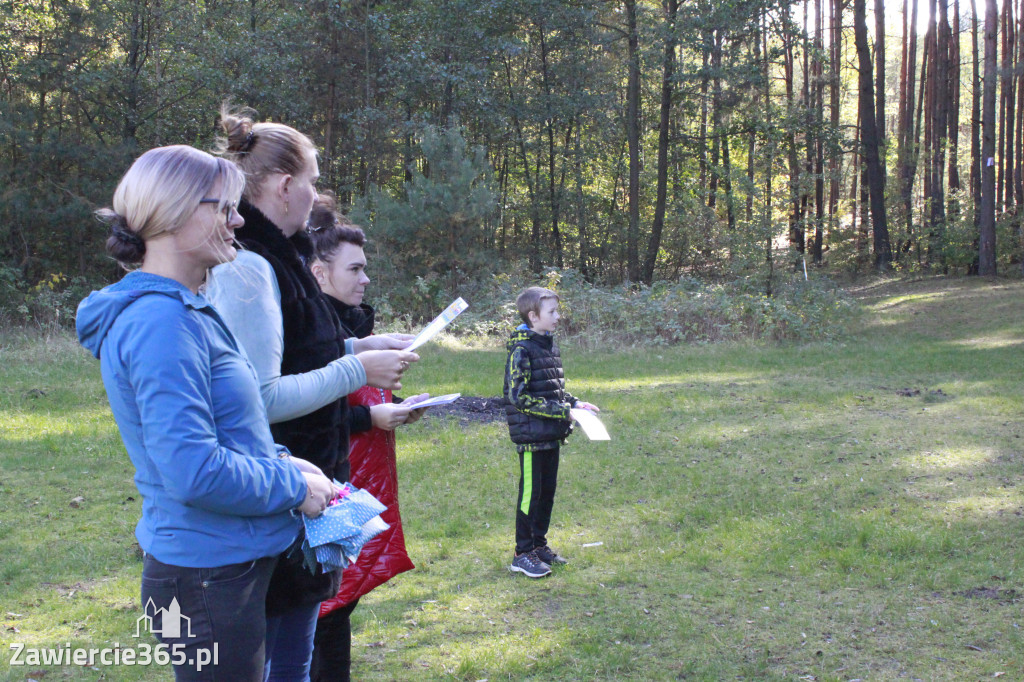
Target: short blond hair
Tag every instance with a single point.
(530, 300)
(160, 192)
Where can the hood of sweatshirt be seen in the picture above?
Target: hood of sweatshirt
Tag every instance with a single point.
(100, 309)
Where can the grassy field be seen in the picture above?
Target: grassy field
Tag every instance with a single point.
(819, 512)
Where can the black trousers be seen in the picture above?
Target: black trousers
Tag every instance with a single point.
(538, 477)
(332, 646)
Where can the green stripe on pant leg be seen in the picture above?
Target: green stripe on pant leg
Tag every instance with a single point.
(524, 504)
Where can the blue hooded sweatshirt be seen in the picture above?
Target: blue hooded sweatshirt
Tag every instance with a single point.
(187, 403)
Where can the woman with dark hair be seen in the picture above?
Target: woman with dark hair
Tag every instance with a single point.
(339, 266)
(272, 303)
(218, 495)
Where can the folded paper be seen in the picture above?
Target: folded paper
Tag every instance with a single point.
(335, 538)
(590, 424)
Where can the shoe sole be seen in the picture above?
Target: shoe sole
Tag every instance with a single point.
(516, 569)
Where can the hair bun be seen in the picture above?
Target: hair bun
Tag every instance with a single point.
(237, 126)
(126, 247)
(119, 228)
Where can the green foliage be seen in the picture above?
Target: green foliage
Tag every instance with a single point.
(470, 135)
(690, 311)
(49, 304)
(435, 236)
(685, 312)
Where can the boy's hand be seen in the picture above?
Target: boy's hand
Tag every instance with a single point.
(583, 405)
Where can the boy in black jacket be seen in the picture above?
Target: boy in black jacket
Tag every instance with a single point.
(537, 409)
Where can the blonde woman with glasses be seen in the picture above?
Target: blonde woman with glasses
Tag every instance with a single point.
(218, 497)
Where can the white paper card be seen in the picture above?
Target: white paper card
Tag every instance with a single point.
(433, 401)
(439, 323)
(590, 424)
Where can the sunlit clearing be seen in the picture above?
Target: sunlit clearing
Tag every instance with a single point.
(999, 501)
(668, 379)
(950, 459)
(895, 301)
(1003, 340)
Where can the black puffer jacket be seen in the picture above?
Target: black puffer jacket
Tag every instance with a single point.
(536, 402)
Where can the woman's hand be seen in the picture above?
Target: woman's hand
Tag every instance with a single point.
(305, 466)
(389, 415)
(319, 491)
(414, 415)
(382, 342)
(410, 402)
(384, 368)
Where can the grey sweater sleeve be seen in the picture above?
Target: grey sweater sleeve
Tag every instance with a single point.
(246, 294)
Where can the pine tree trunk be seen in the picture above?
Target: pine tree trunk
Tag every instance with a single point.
(880, 77)
(940, 129)
(796, 232)
(987, 220)
(1003, 172)
(927, 147)
(702, 135)
(869, 141)
(670, 8)
(1009, 122)
(975, 134)
(954, 106)
(919, 149)
(1018, 180)
(907, 152)
(819, 150)
(716, 119)
(633, 140)
(975, 115)
(835, 158)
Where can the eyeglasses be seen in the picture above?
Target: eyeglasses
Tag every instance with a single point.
(229, 208)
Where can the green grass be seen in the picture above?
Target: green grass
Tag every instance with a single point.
(766, 512)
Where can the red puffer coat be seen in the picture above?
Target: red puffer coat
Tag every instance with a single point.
(375, 469)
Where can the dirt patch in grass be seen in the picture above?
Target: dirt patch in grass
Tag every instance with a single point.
(80, 588)
(471, 410)
(938, 395)
(995, 593)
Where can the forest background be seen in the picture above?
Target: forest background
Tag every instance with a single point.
(657, 147)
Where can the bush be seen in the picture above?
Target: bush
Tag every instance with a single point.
(686, 311)
(50, 304)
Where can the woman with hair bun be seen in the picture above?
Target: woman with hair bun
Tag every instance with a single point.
(339, 266)
(273, 304)
(218, 494)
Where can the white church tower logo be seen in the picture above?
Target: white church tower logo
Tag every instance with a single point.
(170, 622)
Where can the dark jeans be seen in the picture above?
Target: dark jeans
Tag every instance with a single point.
(538, 477)
(290, 644)
(221, 610)
(332, 652)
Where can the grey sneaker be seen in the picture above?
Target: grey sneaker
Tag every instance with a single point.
(550, 556)
(530, 565)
